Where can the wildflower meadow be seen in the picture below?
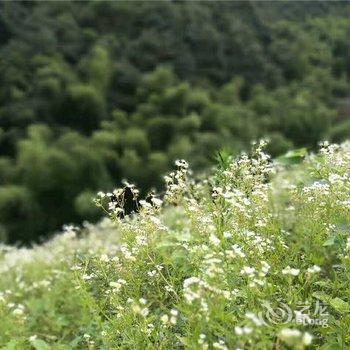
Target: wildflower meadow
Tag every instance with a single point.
(254, 255)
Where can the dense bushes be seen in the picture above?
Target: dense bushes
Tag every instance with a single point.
(95, 92)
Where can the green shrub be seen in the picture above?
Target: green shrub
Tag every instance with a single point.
(18, 200)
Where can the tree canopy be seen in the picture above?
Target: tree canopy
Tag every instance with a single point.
(95, 92)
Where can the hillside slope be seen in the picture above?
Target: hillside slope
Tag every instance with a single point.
(256, 256)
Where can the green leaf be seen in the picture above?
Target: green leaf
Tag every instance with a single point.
(334, 240)
(330, 346)
(321, 296)
(178, 257)
(40, 344)
(340, 305)
(329, 242)
(183, 340)
(75, 342)
(337, 303)
(324, 284)
(12, 345)
(223, 158)
(293, 157)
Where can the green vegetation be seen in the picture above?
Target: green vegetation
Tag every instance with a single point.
(214, 266)
(95, 92)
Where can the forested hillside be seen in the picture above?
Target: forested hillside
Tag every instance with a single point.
(95, 92)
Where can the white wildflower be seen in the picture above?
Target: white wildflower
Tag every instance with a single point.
(214, 239)
(288, 334)
(247, 270)
(164, 318)
(314, 269)
(243, 330)
(144, 312)
(307, 339)
(290, 271)
(104, 258)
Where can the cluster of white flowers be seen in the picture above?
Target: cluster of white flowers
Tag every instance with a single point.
(256, 278)
(177, 182)
(314, 269)
(243, 330)
(195, 288)
(155, 272)
(139, 307)
(117, 285)
(127, 253)
(257, 241)
(220, 345)
(170, 319)
(235, 251)
(202, 341)
(294, 337)
(290, 271)
(17, 309)
(317, 191)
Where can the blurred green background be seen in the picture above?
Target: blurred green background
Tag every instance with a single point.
(95, 92)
